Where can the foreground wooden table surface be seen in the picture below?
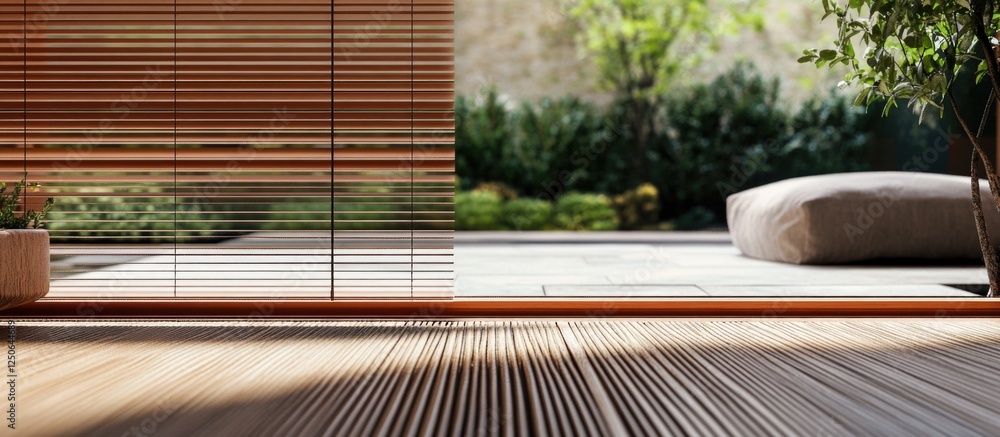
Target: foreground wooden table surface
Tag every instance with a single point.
(566, 377)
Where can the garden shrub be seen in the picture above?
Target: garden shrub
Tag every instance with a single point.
(719, 132)
(544, 148)
(478, 211)
(149, 221)
(711, 139)
(483, 131)
(528, 214)
(828, 135)
(733, 133)
(498, 188)
(107, 220)
(556, 147)
(585, 212)
(362, 211)
(694, 219)
(638, 208)
(299, 215)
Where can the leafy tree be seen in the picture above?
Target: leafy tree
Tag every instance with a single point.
(641, 47)
(913, 51)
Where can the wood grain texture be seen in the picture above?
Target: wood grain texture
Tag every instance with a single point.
(571, 377)
(24, 266)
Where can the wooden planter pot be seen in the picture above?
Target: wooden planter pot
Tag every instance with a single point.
(24, 266)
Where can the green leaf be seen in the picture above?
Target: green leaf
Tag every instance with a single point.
(981, 71)
(827, 55)
(926, 42)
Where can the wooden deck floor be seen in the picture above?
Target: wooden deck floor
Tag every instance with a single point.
(610, 377)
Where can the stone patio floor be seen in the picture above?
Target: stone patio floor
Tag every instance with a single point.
(537, 264)
(675, 264)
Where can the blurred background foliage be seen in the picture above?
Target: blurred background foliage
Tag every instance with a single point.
(712, 139)
(728, 134)
(675, 140)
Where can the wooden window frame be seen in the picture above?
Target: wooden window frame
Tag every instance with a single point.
(476, 308)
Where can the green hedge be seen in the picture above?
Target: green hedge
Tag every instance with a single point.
(733, 133)
(481, 210)
(149, 220)
(478, 211)
(528, 215)
(536, 149)
(712, 139)
(585, 212)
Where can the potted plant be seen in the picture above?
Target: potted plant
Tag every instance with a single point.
(913, 50)
(24, 249)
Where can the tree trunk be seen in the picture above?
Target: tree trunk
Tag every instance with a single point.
(639, 121)
(989, 252)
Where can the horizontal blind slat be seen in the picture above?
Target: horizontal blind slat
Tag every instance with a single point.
(288, 136)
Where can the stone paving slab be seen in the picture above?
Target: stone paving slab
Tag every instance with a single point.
(925, 290)
(676, 264)
(624, 291)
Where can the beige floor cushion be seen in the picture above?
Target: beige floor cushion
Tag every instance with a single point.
(851, 217)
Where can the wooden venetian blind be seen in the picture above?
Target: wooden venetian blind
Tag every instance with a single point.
(243, 148)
